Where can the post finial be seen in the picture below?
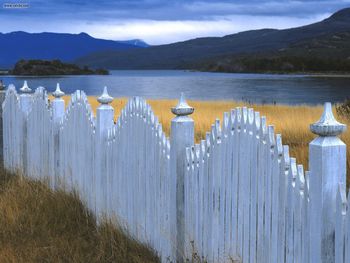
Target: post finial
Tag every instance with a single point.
(25, 88)
(182, 108)
(105, 98)
(58, 93)
(327, 125)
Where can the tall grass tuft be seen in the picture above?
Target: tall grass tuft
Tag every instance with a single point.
(41, 225)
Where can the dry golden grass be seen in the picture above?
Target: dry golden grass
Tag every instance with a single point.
(39, 225)
(290, 121)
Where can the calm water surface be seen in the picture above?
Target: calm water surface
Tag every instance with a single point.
(259, 88)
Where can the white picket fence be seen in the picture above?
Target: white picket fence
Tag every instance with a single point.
(235, 195)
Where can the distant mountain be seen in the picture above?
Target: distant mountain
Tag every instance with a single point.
(135, 42)
(325, 38)
(66, 47)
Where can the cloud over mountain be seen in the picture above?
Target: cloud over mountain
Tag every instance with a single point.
(159, 21)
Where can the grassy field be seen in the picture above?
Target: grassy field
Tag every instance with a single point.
(291, 121)
(39, 225)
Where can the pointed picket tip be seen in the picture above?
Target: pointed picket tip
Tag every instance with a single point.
(11, 87)
(58, 93)
(156, 122)
(301, 177)
(132, 105)
(78, 95)
(217, 126)
(105, 98)
(286, 157)
(159, 131)
(238, 112)
(250, 116)
(164, 140)
(327, 125)
(168, 148)
(232, 119)
(40, 92)
(137, 103)
(193, 154)
(182, 108)
(207, 141)
(279, 145)
(217, 133)
(203, 148)
(245, 115)
(307, 185)
(83, 95)
(307, 177)
(293, 167)
(257, 122)
(197, 152)
(238, 119)
(226, 119)
(271, 132)
(263, 125)
(25, 88)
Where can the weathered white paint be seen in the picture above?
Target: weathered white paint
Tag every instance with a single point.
(58, 108)
(2, 98)
(327, 163)
(237, 194)
(182, 136)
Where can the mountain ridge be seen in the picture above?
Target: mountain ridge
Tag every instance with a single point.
(187, 54)
(67, 47)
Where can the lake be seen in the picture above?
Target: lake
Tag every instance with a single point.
(258, 88)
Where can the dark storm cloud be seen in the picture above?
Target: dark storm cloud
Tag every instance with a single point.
(171, 10)
(162, 21)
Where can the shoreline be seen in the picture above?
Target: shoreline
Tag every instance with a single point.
(306, 74)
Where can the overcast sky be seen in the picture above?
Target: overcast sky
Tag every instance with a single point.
(162, 21)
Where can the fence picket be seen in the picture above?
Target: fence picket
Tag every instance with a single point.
(347, 232)
(340, 224)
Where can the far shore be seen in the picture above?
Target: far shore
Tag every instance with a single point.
(330, 75)
(308, 74)
(7, 72)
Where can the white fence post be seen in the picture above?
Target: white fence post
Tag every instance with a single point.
(182, 136)
(327, 163)
(25, 100)
(105, 115)
(58, 108)
(2, 98)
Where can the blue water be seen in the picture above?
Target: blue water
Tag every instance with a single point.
(258, 88)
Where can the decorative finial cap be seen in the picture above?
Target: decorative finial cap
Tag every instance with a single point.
(25, 88)
(327, 125)
(105, 98)
(58, 93)
(182, 108)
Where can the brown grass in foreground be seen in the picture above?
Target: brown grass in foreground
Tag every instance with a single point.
(39, 225)
(291, 121)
